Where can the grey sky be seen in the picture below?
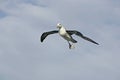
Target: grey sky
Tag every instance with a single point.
(24, 57)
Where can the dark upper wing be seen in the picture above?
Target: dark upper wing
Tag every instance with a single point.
(45, 34)
(71, 32)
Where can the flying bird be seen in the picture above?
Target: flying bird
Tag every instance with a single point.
(67, 35)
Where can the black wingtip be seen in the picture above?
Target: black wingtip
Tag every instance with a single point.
(41, 39)
(97, 43)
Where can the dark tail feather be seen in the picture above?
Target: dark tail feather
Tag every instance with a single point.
(74, 41)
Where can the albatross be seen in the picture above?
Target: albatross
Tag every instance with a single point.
(67, 35)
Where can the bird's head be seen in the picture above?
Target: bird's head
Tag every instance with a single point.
(59, 25)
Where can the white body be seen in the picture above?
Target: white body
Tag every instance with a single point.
(64, 34)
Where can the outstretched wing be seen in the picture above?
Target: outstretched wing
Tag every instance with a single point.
(45, 34)
(71, 32)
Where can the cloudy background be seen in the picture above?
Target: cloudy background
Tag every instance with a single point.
(24, 57)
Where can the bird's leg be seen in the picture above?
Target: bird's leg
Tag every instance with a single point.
(71, 46)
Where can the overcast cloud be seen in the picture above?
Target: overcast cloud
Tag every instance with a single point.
(24, 57)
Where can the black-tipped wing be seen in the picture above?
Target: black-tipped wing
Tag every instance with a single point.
(71, 32)
(45, 34)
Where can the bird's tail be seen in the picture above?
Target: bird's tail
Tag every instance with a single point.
(74, 41)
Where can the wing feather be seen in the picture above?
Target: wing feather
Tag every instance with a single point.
(45, 34)
(71, 32)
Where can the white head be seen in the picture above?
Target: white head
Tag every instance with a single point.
(59, 25)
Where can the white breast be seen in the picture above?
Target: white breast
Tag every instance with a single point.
(62, 31)
(64, 34)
